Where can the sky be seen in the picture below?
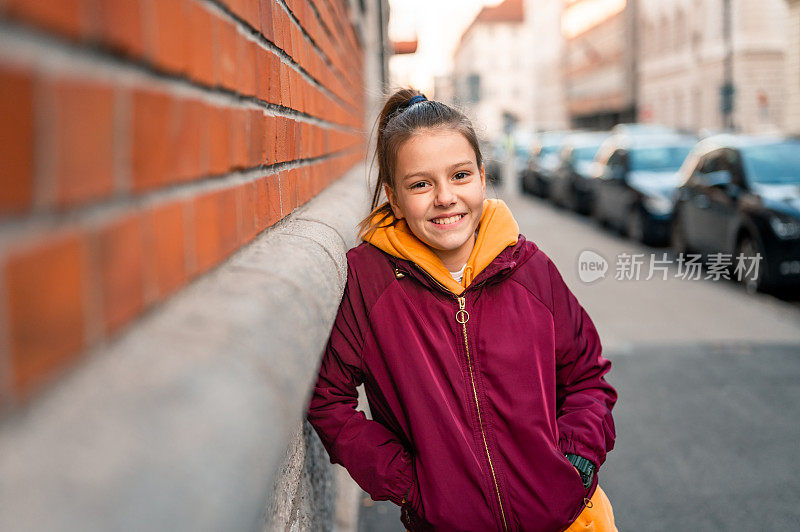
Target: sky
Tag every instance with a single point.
(438, 25)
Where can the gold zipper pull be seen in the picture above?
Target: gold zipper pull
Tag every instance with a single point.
(462, 316)
(398, 274)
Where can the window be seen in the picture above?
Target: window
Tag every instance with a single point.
(474, 88)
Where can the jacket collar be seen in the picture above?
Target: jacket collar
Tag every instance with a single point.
(494, 251)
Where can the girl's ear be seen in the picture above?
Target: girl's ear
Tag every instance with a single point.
(393, 201)
(483, 180)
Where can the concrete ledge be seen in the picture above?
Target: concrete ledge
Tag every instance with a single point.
(185, 421)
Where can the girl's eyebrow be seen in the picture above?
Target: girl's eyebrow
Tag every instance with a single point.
(422, 173)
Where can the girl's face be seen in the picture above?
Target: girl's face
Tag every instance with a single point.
(439, 190)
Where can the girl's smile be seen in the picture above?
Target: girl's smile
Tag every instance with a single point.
(439, 190)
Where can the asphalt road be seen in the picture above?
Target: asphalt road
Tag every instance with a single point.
(708, 420)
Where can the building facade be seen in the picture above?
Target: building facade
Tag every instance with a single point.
(792, 114)
(493, 72)
(543, 22)
(691, 50)
(600, 82)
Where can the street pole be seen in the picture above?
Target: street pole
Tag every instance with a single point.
(728, 90)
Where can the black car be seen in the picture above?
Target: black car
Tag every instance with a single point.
(634, 184)
(493, 157)
(741, 195)
(535, 178)
(571, 184)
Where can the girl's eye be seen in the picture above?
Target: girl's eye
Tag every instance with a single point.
(461, 175)
(418, 184)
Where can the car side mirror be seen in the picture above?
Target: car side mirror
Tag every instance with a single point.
(719, 179)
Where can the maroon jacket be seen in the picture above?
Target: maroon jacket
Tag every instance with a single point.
(472, 411)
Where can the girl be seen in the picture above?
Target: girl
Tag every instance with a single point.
(483, 373)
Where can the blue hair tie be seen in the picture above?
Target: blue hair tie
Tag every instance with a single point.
(416, 99)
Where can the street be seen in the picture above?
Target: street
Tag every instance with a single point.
(707, 377)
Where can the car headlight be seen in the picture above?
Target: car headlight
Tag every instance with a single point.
(658, 205)
(785, 228)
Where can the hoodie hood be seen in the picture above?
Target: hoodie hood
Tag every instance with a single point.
(497, 229)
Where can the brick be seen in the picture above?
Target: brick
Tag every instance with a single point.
(267, 30)
(288, 191)
(151, 150)
(261, 204)
(277, 29)
(219, 140)
(286, 27)
(190, 125)
(170, 50)
(303, 188)
(262, 73)
(237, 7)
(227, 54)
(215, 227)
(62, 16)
(246, 64)
(201, 44)
(252, 13)
(275, 79)
(305, 137)
(206, 231)
(84, 128)
(291, 141)
(271, 129)
(285, 93)
(119, 255)
(121, 25)
(228, 220)
(246, 204)
(45, 309)
(16, 140)
(240, 141)
(257, 138)
(168, 249)
(282, 124)
(271, 200)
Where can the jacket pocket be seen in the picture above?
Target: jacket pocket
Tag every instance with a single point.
(579, 488)
(412, 513)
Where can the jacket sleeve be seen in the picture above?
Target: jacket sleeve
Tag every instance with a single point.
(372, 454)
(583, 397)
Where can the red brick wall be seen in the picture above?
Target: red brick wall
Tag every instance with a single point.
(144, 141)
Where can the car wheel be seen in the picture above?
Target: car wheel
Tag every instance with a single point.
(634, 226)
(754, 281)
(677, 235)
(597, 214)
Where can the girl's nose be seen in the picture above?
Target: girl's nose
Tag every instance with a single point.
(444, 196)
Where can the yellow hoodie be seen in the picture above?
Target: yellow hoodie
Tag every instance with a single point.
(497, 230)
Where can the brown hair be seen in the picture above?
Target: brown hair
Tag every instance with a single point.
(397, 123)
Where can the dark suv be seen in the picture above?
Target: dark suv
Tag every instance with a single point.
(741, 195)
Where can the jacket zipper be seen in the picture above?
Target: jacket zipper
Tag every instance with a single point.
(462, 317)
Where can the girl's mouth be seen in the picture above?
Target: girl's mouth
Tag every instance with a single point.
(448, 222)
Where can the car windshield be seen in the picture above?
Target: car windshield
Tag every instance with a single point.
(585, 153)
(658, 158)
(773, 164)
(549, 149)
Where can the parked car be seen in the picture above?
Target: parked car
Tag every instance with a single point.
(571, 184)
(741, 194)
(634, 183)
(638, 128)
(493, 157)
(535, 178)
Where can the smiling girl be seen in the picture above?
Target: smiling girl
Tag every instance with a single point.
(483, 373)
